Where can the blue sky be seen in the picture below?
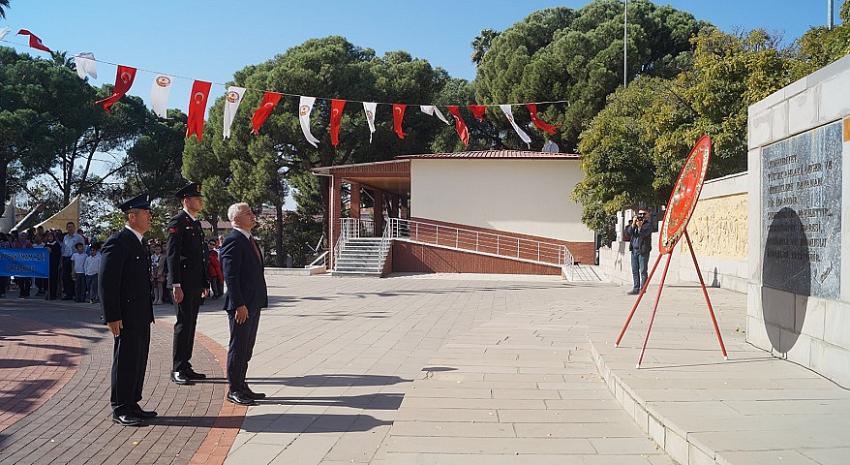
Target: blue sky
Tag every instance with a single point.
(210, 40)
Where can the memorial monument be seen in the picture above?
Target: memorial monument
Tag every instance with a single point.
(799, 261)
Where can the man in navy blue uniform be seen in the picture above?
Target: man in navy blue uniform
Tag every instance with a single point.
(187, 278)
(125, 293)
(242, 266)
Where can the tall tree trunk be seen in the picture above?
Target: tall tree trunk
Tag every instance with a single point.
(278, 233)
(4, 173)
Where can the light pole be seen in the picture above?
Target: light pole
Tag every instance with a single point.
(626, 42)
(829, 21)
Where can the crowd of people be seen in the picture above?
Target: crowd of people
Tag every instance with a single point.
(75, 264)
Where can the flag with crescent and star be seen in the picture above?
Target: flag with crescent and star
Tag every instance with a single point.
(431, 110)
(35, 41)
(337, 106)
(369, 108)
(542, 125)
(197, 109)
(232, 99)
(398, 117)
(460, 126)
(124, 78)
(477, 111)
(262, 112)
(160, 91)
(509, 114)
(305, 107)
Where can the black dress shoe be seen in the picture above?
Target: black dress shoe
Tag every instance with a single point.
(144, 414)
(127, 419)
(247, 392)
(180, 378)
(192, 374)
(240, 398)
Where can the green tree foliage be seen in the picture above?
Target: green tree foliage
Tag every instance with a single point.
(155, 159)
(820, 46)
(634, 148)
(577, 56)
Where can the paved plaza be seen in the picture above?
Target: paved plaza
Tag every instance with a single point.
(427, 369)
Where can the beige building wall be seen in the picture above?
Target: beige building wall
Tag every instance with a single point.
(719, 227)
(520, 196)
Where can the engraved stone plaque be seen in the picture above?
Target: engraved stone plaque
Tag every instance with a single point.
(801, 216)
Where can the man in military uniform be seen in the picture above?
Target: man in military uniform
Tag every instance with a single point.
(125, 296)
(187, 277)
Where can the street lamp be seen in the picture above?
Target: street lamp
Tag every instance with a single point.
(625, 43)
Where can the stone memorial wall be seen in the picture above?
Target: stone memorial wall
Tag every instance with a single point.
(798, 253)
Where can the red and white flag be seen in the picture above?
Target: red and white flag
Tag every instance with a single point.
(478, 111)
(35, 41)
(431, 110)
(460, 126)
(197, 109)
(4, 31)
(508, 111)
(262, 112)
(86, 66)
(232, 99)
(124, 78)
(337, 106)
(369, 108)
(305, 107)
(542, 125)
(160, 91)
(398, 117)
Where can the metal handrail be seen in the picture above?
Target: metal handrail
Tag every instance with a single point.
(347, 225)
(484, 242)
(321, 258)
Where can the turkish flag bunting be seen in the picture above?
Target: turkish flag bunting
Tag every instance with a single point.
(35, 42)
(336, 118)
(460, 126)
(262, 112)
(124, 78)
(398, 116)
(478, 111)
(542, 125)
(197, 108)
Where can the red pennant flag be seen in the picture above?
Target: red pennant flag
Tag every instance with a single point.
(262, 112)
(124, 78)
(478, 111)
(460, 126)
(336, 118)
(35, 42)
(197, 108)
(398, 115)
(542, 125)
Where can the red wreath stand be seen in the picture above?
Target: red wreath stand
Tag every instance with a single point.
(679, 210)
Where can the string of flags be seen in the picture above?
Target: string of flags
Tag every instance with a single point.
(86, 65)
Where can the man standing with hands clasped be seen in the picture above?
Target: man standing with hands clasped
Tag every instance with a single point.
(128, 311)
(187, 277)
(242, 266)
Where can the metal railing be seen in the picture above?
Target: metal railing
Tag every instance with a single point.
(483, 242)
(352, 228)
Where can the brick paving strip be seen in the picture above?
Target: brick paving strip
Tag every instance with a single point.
(70, 422)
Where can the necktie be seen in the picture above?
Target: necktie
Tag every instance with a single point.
(256, 248)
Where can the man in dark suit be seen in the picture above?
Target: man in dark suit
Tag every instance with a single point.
(125, 296)
(242, 266)
(187, 277)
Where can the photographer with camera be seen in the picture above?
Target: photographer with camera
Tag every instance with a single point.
(640, 244)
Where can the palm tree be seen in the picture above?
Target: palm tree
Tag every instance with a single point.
(4, 5)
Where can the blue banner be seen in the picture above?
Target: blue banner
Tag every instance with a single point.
(25, 263)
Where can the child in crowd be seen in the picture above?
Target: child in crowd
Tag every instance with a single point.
(157, 273)
(92, 270)
(79, 260)
(214, 270)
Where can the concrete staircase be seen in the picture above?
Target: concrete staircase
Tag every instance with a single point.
(361, 256)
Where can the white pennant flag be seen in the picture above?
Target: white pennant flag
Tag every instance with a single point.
(369, 108)
(431, 110)
(305, 107)
(3, 32)
(86, 66)
(160, 90)
(506, 109)
(232, 99)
